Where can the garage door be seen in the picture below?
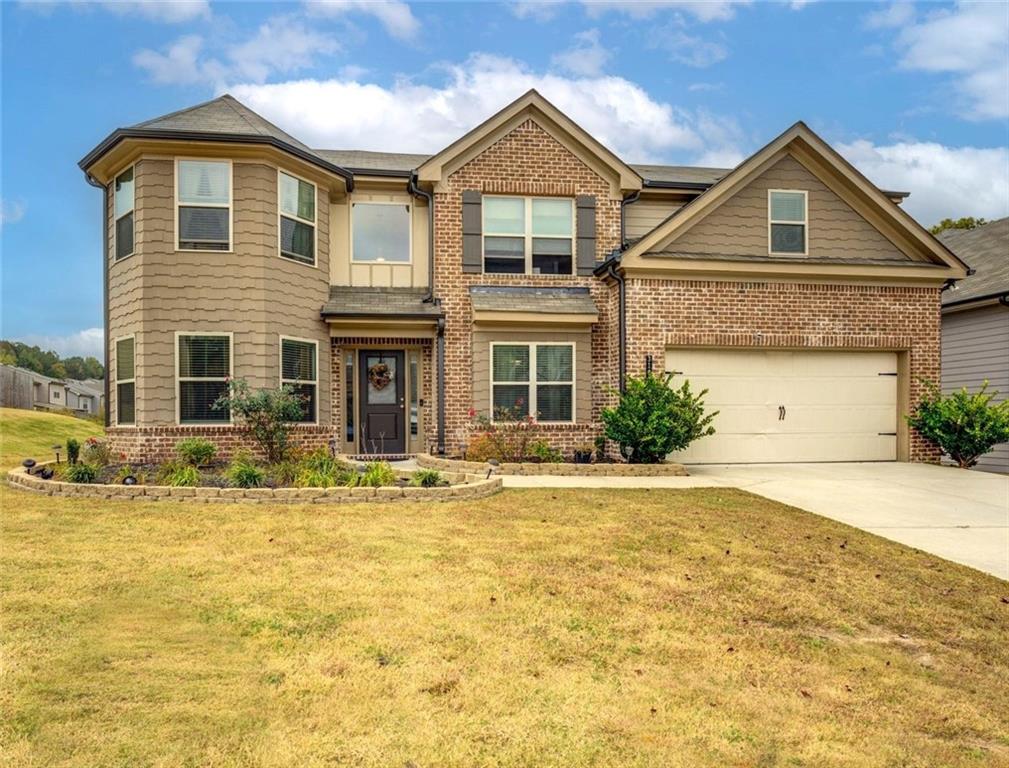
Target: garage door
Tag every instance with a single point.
(778, 406)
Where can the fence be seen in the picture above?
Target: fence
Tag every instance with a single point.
(15, 388)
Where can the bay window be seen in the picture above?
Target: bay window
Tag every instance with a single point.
(203, 203)
(124, 201)
(528, 235)
(126, 394)
(535, 379)
(204, 367)
(299, 371)
(297, 218)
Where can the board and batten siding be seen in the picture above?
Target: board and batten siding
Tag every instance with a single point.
(582, 340)
(644, 215)
(975, 348)
(251, 291)
(739, 226)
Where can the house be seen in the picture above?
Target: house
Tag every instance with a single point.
(524, 268)
(975, 320)
(22, 388)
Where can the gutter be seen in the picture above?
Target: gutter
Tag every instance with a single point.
(105, 289)
(441, 386)
(629, 200)
(1001, 296)
(413, 189)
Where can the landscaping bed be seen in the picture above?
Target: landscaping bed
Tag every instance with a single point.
(611, 468)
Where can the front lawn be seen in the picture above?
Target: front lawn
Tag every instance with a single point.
(32, 434)
(534, 628)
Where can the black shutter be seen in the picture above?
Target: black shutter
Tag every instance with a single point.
(472, 227)
(585, 232)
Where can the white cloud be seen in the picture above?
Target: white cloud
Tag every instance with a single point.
(11, 211)
(89, 342)
(350, 114)
(892, 16)
(701, 10)
(585, 57)
(705, 87)
(281, 44)
(169, 11)
(943, 181)
(395, 16)
(968, 42)
(538, 10)
(687, 49)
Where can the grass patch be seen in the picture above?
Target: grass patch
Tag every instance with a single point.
(535, 627)
(32, 434)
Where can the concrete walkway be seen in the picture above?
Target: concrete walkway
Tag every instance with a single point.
(956, 514)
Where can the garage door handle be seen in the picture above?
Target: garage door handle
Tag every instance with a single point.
(781, 413)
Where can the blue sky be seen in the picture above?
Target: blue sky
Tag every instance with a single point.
(916, 95)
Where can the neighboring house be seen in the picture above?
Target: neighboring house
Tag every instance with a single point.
(22, 388)
(525, 267)
(975, 320)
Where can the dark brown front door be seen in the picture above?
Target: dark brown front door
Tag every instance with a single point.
(383, 411)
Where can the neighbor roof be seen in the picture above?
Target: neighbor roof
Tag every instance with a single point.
(575, 301)
(357, 301)
(986, 250)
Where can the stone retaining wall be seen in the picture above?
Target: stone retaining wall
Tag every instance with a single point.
(470, 486)
(572, 470)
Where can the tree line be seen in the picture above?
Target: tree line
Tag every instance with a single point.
(48, 363)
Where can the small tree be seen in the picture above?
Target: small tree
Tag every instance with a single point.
(964, 425)
(265, 414)
(652, 419)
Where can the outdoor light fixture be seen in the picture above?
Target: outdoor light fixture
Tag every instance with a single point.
(28, 464)
(57, 448)
(46, 473)
(332, 447)
(129, 480)
(493, 465)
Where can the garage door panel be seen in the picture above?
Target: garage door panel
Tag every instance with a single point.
(852, 390)
(730, 364)
(866, 419)
(747, 420)
(723, 391)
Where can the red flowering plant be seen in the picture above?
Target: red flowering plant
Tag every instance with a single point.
(504, 437)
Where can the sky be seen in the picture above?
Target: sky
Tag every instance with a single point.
(916, 95)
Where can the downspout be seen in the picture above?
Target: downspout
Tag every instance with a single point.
(105, 288)
(629, 200)
(441, 386)
(621, 321)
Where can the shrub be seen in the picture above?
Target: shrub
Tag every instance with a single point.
(242, 472)
(179, 475)
(320, 470)
(80, 473)
(375, 475)
(652, 419)
(126, 470)
(96, 452)
(964, 425)
(542, 450)
(73, 450)
(506, 438)
(426, 478)
(266, 415)
(196, 451)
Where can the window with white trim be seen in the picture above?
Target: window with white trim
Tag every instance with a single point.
(381, 233)
(787, 223)
(126, 362)
(124, 197)
(203, 202)
(299, 371)
(204, 367)
(297, 218)
(534, 379)
(528, 235)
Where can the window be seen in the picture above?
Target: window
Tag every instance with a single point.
(528, 235)
(532, 378)
(124, 196)
(381, 233)
(348, 397)
(204, 369)
(414, 395)
(126, 401)
(786, 212)
(299, 371)
(204, 205)
(297, 218)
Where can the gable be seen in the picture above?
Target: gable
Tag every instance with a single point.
(739, 226)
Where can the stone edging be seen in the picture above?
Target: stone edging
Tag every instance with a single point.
(471, 486)
(670, 469)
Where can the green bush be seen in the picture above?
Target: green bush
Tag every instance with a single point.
(376, 474)
(196, 451)
(964, 425)
(242, 472)
(320, 470)
(266, 415)
(652, 419)
(542, 450)
(73, 450)
(80, 473)
(96, 452)
(426, 478)
(178, 474)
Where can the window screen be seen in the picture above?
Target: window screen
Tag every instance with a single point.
(125, 201)
(204, 195)
(126, 381)
(525, 235)
(297, 219)
(532, 378)
(204, 368)
(298, 371)
(381, 233)
(787, 214)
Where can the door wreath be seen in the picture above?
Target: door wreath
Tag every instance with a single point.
(379, 376)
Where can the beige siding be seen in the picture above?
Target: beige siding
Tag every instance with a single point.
(739, 227)
(583, 364)
(646, 214)
(975, 348)
(345, 271)
(251, 292)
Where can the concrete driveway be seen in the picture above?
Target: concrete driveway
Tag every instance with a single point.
(959, 515)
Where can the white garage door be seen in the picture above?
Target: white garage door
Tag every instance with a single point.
(792, 406)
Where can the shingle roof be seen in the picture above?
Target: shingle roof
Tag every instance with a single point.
(986, 250)
(575, 301)
(355, 301)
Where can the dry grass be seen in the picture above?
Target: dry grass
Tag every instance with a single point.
(546, 628)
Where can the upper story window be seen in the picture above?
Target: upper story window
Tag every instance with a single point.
(204, 367)
(528, 235)
(203, 200)
(297, 218)
(126, 380)
(381, 233)
(299, 371)
(787, 222)
(536, 379)
(125, 199)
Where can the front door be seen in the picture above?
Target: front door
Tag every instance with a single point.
(383, 409)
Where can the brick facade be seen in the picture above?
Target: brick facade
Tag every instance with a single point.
(153, 444)
(664, 313)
